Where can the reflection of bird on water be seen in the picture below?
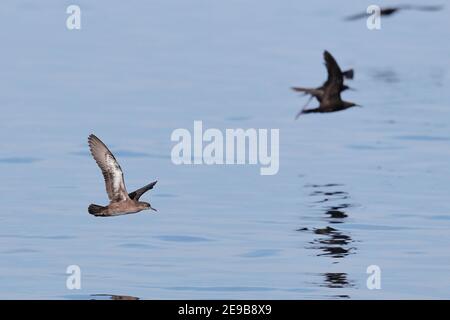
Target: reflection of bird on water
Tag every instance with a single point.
(335, 244)
(333, 195)
(331, 241)
(336, 212)
(115, 297)
(337, 280)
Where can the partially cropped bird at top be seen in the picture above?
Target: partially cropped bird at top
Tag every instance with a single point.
(388, 11)
(121, 202)
(329, 94)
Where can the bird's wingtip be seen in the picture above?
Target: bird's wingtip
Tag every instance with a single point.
(92, 137)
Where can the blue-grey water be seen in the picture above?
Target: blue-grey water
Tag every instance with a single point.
(367, 186)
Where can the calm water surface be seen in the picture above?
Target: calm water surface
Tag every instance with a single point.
(368, 186)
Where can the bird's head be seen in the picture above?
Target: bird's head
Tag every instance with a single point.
(147, 206)
(351, 104)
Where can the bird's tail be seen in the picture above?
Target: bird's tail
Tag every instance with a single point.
(310, 91)
(316, 110)
(348, 74)
(95, 210)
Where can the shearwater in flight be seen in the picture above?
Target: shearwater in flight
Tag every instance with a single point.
(329, 94)
(121, 202)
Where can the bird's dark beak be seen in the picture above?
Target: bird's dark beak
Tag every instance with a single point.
(351, 89)
(151, 208)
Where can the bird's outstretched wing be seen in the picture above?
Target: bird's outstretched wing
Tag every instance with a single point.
(115, 185)
(422, 7)
(356, 16)
(387, 11)
(315, 92)
(335, 81)
(135, 195)
(335, 77)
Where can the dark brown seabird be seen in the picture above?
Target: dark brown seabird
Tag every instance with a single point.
(319, 91)
(329, 94)
(120, 201)
(388, 11)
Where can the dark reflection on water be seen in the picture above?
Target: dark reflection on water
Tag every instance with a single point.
(333, 202)
(112, 297)
(335, 244)
(326, 196)
(323, 185)
(337, 280)
(340, 296)
(337, 212)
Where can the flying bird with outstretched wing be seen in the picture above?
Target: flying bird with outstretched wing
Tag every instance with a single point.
(329, 94)
(120, 201)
